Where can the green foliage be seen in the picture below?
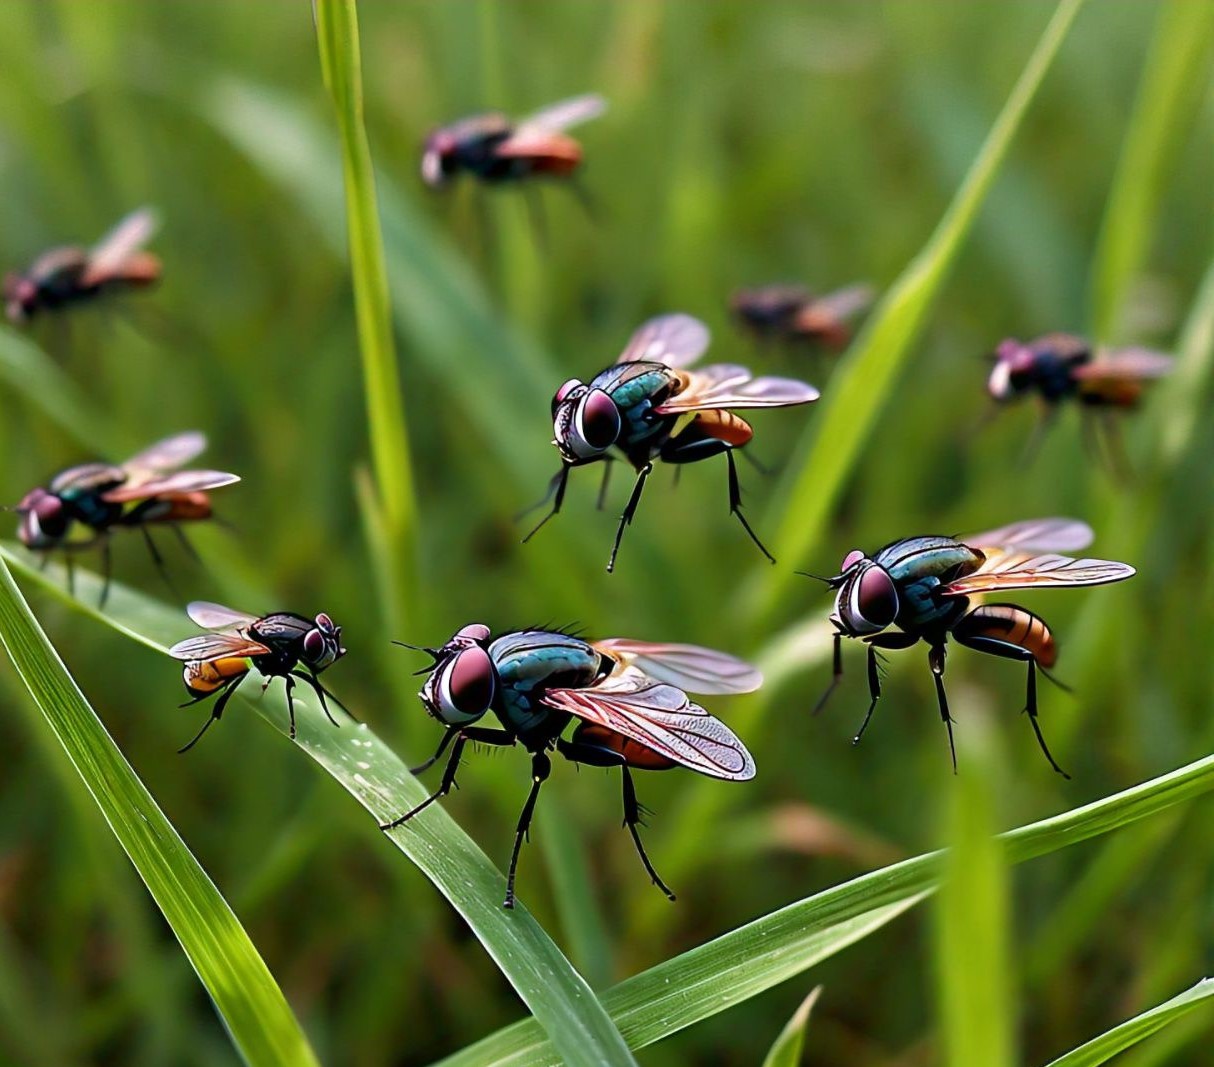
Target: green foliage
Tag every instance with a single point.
(786, 1050)
(244, 992)
(745, 143)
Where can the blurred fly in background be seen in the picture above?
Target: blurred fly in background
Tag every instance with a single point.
(794, 316)
(71, 275)
(81, 506)
(628, 698)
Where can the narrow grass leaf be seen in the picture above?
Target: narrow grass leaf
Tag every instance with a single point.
(866, 376)
(341, 62)
(786, 1051)
(30, 373)
(373, 774)
(1174, 81)
(973, 956)
(751, 959)
(244, 992)
(1129, 1033)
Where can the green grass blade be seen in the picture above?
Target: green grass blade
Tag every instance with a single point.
(31, 373)
(1174, 80)
(786, 1051)
(751, 959)
(1103, 1048)
(973, 917)
(244, 992)
(374, 775)
(341, 62)
(866, 377)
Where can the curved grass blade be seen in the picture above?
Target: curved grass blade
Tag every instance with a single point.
(866, 376)
(341, 62)
(244, 992)
(374, 775)
(748, 961)
(786, 1051)
(1174, 80)
(1103, 1048)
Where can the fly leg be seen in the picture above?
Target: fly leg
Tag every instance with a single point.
(541, 767)
(462, 737)
(602, 498)
(321, 694)
(887, 640)
(186, 544)
(216, 713)
(594, 756)
(291, 703)
(557, 486)
(1030, 705)
(158, 559)
(735, 505)
(69, 562)
(446, 739)
(935, 660)
(629, 511)
(836, 677)
(107, 569)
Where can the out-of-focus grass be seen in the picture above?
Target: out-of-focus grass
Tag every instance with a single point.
(745, 143)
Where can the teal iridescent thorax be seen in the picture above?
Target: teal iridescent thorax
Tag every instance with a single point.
(636, 388)
(529, 662)
(919, 566)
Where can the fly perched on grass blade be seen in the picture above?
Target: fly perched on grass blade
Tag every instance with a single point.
(647, 407)
(498, 150)
(279, 645)
(83, 505)
(791, 314)
(67, 276)
(922, 586)
(627, 698)
(1061, 367)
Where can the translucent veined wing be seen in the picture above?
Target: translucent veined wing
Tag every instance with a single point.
(1034, 535)
(663, 719)
(166, 455)
(171, 484)
(207, 647)
(86, 476)
(1121, 363)
(726, 385)
(535, 142)
(1024, 570)
(284, 625)
(843, 303)
(564, 114)
(216, 617)
(676, 340)
(690, 667)
(116, 247)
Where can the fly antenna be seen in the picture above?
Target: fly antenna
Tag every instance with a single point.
(816, 577)
(433, 653)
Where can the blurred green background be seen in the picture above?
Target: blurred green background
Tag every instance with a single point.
(745, 143)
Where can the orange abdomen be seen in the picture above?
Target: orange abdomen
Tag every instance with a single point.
(635, 755)
(202, 679)
(1011, 625)
(725, 426)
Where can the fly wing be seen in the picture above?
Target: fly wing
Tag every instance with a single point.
(207, 647)
(167, 455)
(677, 340)
(843, 303)
(171, 485)
(1034, 535)
(111, 253)
(690, 667)
(661, 718)
(564, 114)
(1025, 570)
(1120, 364)
(726, 385)
(216, 617)
(86, 476)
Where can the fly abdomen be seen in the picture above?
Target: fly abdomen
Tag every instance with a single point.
(1005, 626)
(203, 679)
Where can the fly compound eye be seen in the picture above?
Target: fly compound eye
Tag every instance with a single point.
(596, 424)
(325, 624)
(316, 649)
(872, 601)
(474, 632)
(851, 559)
(44, 519)
(464, 687)
(563, 392)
